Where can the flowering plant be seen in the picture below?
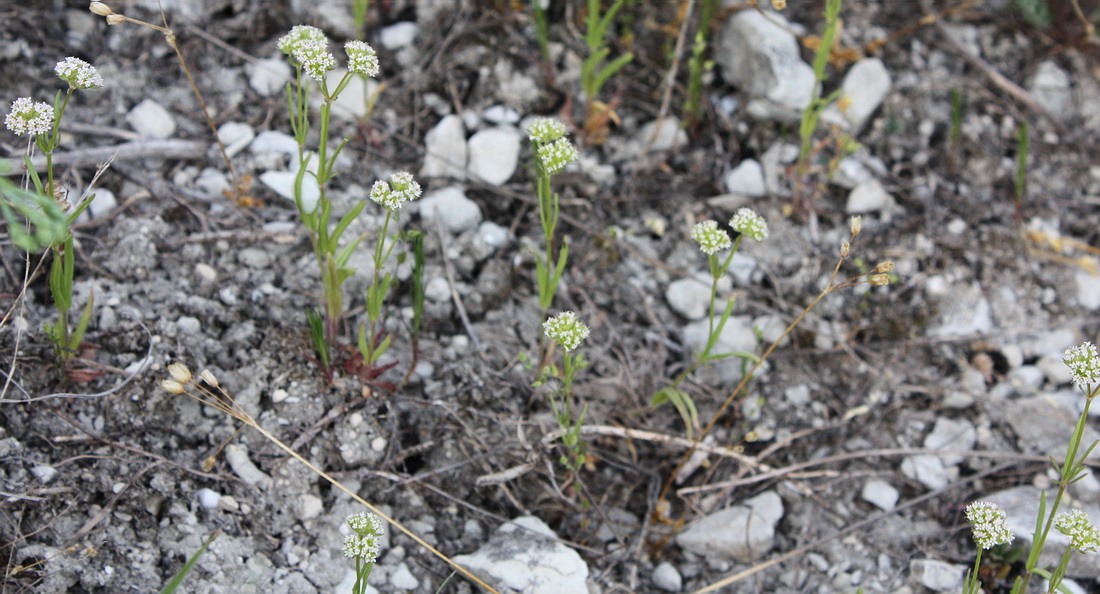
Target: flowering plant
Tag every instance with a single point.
(712, 241)
(568, 331)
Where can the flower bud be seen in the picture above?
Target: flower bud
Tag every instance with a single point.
(179, 372)
(208, 377)
(844, 248)
(856, 225)
(100, 8)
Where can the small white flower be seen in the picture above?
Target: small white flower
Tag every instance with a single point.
(400, 189)
(566, 329)
(545, 130)
(314, 57)
(299, 33)
(361, 58)
(556, 155)
(365, 548)
(989, 523)
(1083, 363)
(78, 73)
(29, 118)
(710, 238)
(1083, 536)
(747, 222)
(366, 523)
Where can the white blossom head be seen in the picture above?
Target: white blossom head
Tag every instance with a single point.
(545, 130)
(556, 155)
(78, 73)
(747, 222)
(1076, 524)
(566, 329)
(289, 43)
(710, 238)
(989, 523)
(365, 543)
(400, 189)
(361, 58)
(31, 118)
(1083, 363)
(314, 57)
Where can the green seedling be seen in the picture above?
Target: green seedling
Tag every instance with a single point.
(359, 9)
(177, 579)
(542, 28)
(811, 115)
(23, 209)
(594, 73)
(712, 240)
(698, 64)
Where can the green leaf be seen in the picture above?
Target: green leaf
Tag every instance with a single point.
(177, 579)
(82, 325)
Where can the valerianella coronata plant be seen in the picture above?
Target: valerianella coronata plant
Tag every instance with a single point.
(710, 238)
(365, 544)
(545, 130)
(989, 523)
(31, 118)
(78, 73)
(361, 58)
(747, 222)
(1083, 363)
(566, 329)
(401, 188)
(1083, 536)
(289, 43)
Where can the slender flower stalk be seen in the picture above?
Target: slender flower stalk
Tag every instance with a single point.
(568, 331)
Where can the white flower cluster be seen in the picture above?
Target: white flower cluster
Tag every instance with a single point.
(314, 57)
(566, 329)
(747, 222)
(545, 130)
(31, 118)
(401, 188)
(78, 73)
(289, 43)
(990, 524)
(361, 58)
(1083, 363)
(556, 155)
(710, 238)
(366, 543)
(1083, 536)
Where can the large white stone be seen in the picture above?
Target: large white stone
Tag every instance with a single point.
(747, 179)
(398, 35)
(741, 533)
(525, 555)
(760, 56)
(450, 205)
(150, 120)
(864, 88)
(282, 183)
(494, 154)
(268, 77)
(445, 149)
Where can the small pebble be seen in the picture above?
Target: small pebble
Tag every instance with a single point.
(208, 499)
